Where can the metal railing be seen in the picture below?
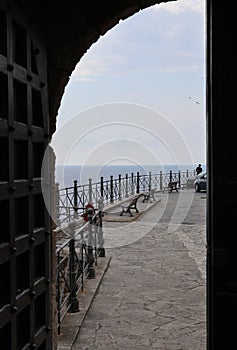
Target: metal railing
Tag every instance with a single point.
(71, 200)
(76, 258)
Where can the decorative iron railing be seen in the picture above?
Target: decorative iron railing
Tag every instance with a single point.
(73, 200)
(76, 258)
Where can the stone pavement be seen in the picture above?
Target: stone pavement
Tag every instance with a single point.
(153, 292)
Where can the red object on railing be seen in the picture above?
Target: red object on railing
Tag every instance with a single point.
(85, 215)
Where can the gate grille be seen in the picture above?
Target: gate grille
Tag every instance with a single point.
(25, 239)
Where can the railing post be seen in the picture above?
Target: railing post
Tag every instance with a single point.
(161, 180)
(73, 298)
(156, 181)
(96, 193)
(75, 199)
(132, 184)
(170, 175)
(91, 260)
(126, 186)
(57, 210)
(90, 191)
(179, 176)
(138, 183)
(67, 205)
(102, 186)
(119, 194)
(107, 191)
(115, 189)
(149, 181)
(101, 250)
(144, 183)
(58, 294)
(83, 197)
(111, 189)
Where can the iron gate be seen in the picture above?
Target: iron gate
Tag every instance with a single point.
(25, 233)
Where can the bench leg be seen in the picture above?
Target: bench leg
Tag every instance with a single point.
(174, 188)
(121, 214)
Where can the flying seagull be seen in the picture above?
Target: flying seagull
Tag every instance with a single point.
(196, 101)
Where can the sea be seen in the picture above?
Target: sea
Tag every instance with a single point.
(66, 175)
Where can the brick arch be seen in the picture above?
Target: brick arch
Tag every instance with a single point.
(72, 30)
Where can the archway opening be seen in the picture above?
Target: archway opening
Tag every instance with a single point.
(166, 79)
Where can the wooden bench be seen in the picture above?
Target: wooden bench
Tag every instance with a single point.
(148, 196)
(173, 186)
(127, 206)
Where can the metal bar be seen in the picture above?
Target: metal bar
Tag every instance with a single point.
(75, 200)
(73, 300)
(119, 193)
(132, 184)
(90, 191)
(138, 185)
(126, 186)
(91, 270)
(111, 190)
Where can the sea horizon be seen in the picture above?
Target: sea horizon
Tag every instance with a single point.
(65, 175)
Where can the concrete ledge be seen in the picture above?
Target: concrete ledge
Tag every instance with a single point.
(72, 322)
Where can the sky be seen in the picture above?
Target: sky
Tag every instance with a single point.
(138, 95)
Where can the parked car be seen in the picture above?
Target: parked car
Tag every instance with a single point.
(200, 184)
(192, 178)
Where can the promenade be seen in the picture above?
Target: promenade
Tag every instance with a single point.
(151, 292)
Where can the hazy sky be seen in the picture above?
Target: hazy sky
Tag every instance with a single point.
(138, 94)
